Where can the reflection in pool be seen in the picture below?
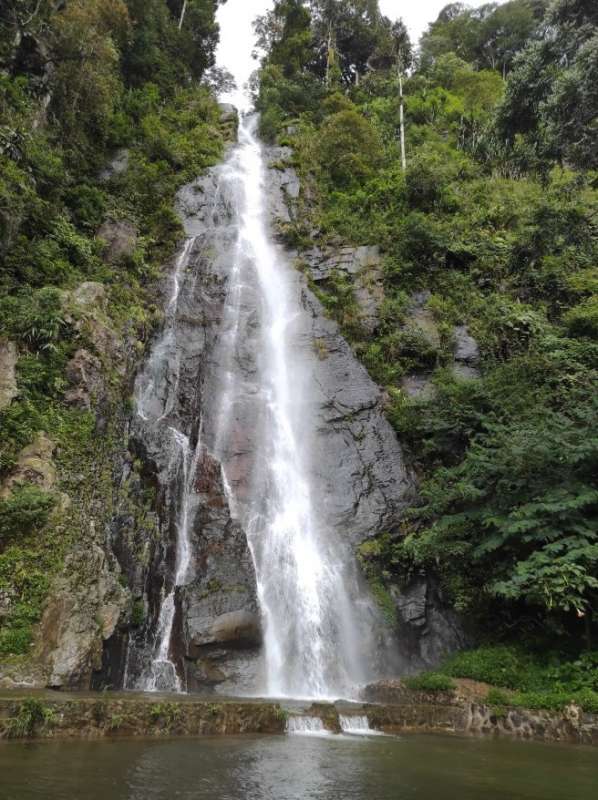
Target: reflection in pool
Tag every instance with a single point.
(298, 768)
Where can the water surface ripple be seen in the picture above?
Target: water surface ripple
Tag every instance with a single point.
(298, 768)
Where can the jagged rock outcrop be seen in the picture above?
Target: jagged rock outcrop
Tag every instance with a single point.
(219, 609)
(34, 466)
(85, 376)
(427, 624)
(117, 166)
(363, 265)
(466, 354)
(82, 613)
(361, 483)
(120, 239)
(89, 297)
(357, 461)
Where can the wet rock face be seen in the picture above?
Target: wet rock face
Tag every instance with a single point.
(219, 609)
(358, 473)
(363, 265)
(284, 185)
(357, 465)
(217, 634)
(357, 449)
(427, 625)
(363, 482)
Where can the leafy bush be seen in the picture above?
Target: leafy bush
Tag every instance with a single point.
(36, 318)
(25, 510)
(350, 148)
(31, 712)
(557, 700)
(498, 665)
(538, 681)
(582, 320)
(430, 682)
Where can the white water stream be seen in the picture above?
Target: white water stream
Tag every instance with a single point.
(314, 619)
(308, 617)
(161, 674)
(306, 726)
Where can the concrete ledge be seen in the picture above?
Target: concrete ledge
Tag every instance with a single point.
(51, 715)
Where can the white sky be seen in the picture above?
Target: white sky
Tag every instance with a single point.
(236, 32)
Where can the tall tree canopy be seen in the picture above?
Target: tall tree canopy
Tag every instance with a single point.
(489, 36)
(552, 95)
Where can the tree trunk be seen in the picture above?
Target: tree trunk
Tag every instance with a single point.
(328, 56)
(402, 120)
(183, 11)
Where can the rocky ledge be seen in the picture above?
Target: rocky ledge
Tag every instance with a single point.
(43, 715)
(47, 715)
(395, 708)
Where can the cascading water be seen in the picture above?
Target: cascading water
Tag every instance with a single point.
(304, 572)
(153, 410)
(357, 725)
(252, 546)
(306, 726)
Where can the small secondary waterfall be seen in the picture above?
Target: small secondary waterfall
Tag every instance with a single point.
(306, 726)
(153, 410)
(357, 725)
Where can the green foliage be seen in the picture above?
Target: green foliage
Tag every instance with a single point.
(522, 505)
(499, 665)
(498, 698)
(165, 715)
(582, 320)
(489, 37)
(350, 148)
(551, 100)
(138, 614)
(26, 509)
(430, 682)
(31, 714)
(36, 318)
(537, 681)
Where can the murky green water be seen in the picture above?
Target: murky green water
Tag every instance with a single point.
(298, 768)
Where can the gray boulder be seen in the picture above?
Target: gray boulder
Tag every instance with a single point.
(84, 373)
(120, 240)
(466, 354)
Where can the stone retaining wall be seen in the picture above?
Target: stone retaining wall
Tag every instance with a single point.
(46, 715)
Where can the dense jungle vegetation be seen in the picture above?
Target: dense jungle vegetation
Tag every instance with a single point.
(81, 81)
(495, 215)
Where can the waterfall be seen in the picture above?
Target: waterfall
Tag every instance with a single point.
(357, 725)
(302, 567)
(306, 726)
(255, 445)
